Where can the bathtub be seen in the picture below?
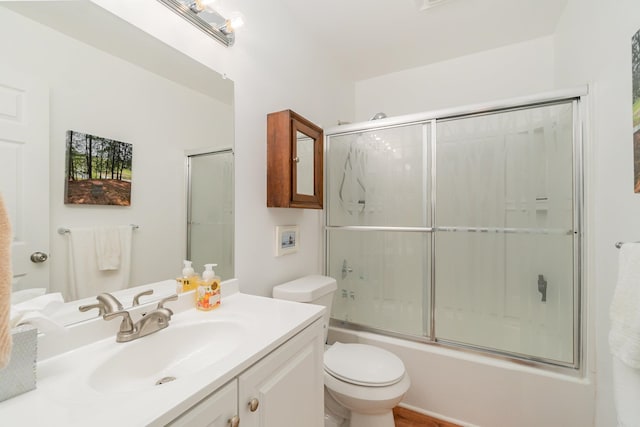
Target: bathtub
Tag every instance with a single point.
(472, 390)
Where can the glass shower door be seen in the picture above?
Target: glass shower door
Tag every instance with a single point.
(504, 268)
(378, 235)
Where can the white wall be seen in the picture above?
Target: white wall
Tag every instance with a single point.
(96, 93)
(274, 67)
(506, 72)
(593, 44)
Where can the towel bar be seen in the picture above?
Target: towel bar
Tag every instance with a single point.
(619, 244)
(63, 230)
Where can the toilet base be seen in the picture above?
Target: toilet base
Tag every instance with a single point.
(370, 420)
(330, 421)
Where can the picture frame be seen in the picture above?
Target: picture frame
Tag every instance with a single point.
(635, 96)
(98, 170)
(287, 239)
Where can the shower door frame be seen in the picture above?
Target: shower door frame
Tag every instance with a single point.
(577, 97)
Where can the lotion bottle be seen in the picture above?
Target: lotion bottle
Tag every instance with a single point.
(208, 292)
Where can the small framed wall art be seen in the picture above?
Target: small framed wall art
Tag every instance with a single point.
(287, 239)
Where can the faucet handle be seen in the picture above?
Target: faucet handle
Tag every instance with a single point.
(109, 302)
(126, 325)
(99, 306)
(169, 298)
(136, 299)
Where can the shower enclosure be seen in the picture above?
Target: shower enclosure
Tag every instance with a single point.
(461, 227)
(210, 202)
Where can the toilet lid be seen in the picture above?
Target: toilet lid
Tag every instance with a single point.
(363, 364)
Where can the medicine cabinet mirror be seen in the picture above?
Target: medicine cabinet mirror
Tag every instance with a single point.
(294, 161)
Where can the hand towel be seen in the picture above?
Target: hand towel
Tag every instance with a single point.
(108, 253)
(85, 277)
(624, 312)
(5, 285)
(47, 304)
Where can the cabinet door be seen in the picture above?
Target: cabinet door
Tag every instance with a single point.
(294, 161)
(216, 410)
(286, 387)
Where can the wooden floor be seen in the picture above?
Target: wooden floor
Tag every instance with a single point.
(406, 418)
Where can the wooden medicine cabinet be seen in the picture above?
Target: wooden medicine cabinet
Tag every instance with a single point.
(294, 161)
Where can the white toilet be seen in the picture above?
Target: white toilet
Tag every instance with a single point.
(362, 382)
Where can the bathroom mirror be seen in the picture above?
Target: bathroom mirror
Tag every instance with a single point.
(304, 164)
(105, 77)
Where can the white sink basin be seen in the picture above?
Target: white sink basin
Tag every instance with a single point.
(167, 355)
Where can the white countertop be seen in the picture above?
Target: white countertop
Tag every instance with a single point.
(65, 395)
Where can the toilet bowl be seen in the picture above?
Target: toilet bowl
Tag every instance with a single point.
(362, 382)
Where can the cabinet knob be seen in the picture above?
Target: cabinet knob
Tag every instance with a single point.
(234, 421)
(296, 159)
(253, 404)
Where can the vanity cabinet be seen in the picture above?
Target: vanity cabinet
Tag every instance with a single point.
(294, 161)
(284, 388)
(217, 410)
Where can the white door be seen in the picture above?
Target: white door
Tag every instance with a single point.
(24, 174)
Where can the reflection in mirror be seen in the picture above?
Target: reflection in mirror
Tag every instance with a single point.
(102, 76)
(210, 210)
(304, 164)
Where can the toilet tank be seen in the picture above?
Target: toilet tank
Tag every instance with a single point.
(314, 289)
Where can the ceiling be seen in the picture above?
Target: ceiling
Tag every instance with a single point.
(369, 38)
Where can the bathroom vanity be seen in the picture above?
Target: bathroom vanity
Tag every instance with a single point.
(254, 361)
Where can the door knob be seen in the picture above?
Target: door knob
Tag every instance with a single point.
(38, 257)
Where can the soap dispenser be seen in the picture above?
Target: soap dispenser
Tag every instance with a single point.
(208, 292)
(189, 279)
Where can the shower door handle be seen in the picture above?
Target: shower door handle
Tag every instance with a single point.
(345, 269)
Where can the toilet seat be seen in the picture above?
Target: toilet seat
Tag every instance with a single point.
(364, 365)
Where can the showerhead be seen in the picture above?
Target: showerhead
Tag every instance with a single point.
(378, 116)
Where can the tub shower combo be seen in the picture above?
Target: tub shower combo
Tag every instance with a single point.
(461, 227)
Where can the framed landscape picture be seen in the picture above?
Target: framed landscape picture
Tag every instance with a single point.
(635, 76)
(98, 170)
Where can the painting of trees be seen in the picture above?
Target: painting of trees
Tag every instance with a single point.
(635, 92)
(98, 170)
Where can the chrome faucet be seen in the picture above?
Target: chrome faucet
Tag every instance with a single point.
(106, 304)
(150, 322)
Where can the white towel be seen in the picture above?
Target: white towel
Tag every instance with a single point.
(5, 285)
(85, 278)
(108, 247)
(39, 312)
(624, 336)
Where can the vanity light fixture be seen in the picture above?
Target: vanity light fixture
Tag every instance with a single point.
(423, 5)
(202, 14)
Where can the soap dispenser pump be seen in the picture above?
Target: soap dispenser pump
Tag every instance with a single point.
(189, 279)
(208, 292)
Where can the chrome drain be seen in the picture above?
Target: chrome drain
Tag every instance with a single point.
(165, 380)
